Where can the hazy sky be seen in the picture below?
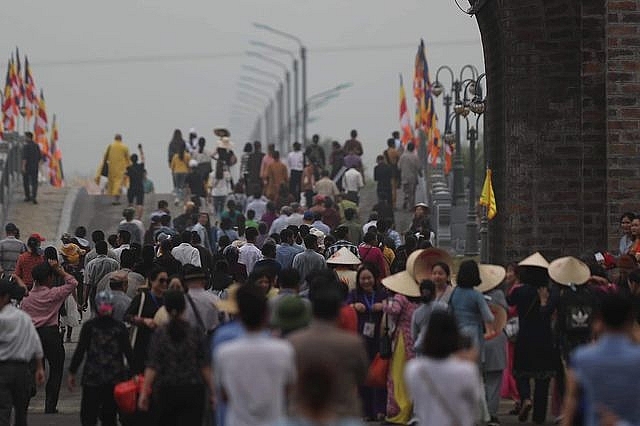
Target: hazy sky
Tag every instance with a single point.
(143, 68)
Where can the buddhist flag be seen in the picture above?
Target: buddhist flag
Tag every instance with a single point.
(55, 157)
(30, 93)
(426, 118)
(448, 156)
(41, 127)
(8, 116)
(16, 91)
(487, 197)
(405, 121)
(19, 75)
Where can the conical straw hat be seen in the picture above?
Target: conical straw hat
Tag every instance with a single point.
(569, 270)
(536, 259)
(491, 277)
(344, 256)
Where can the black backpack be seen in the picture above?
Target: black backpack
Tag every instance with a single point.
(577, 310)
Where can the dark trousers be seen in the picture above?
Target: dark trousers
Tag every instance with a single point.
(308, 196)
(30, 183)
(15, 386)
(295, 184)
(180, 405)
(97, 401)
(54, 354)
(540, 396)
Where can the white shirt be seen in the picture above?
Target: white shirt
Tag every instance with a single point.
(185, 253)
(257, 205)
(118, 251)
(352, 180)
(456, 380)
(248, 255)
(220, 187)
(279, 224)
(295, 160)
(18, 337)
(295, 219)
(138, 223)
(254, 371)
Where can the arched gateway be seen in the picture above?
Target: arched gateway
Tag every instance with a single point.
(562, 122)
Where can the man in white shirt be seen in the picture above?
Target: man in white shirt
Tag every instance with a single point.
(20, 345)
(281, 221)
(352, 182)
(185, 253)
(257, 203)
(124, 239)
(255, 370)
(249, 254)
(295, 163)
(296, 215)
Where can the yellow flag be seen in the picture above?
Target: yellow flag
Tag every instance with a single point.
(487, 197)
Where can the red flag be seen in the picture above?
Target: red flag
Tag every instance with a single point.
(8, 113)
(426, 118)
(405, 121)
(55, 157)
(41, 127)
(16, 92)
(30, 93)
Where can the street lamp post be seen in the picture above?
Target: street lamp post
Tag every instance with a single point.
(279, 98)
(296, 107)
(303, 59)
(459, 109)
(287, 77)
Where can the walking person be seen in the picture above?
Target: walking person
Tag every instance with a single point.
(176, 144)
(180, 168)
(117, 158)
(20, 346)
(445, 389)
(254, 370)
(31, 158)
(135, 172)
(411, 170)
(295, 163)
(104, 341)
(43, 305)
(367, 300)
(383, 175)
(178, 369)
(10, 249)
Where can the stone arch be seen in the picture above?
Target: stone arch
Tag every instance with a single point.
(546, 125)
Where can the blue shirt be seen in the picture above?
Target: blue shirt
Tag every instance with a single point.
(285, 254)
(471, 310)
(608, 372)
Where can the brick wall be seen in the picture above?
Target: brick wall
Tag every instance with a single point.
(623, 110)
(546, 125)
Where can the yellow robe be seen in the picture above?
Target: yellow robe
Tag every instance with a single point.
(118, 160)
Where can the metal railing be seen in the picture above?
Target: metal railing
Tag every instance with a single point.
(10, 170)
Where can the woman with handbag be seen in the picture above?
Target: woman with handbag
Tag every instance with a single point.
(366, 299)
(399, 307)
(509, 389)
(140, 314)
(178, 370)
(104, 341)
(445, 388)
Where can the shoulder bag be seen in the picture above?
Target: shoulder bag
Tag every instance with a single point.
(134, 334)
(386, 341)
(105, 164)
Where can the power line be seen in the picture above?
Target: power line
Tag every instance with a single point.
(179, 58)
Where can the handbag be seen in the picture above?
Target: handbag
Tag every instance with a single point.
(126, 393)
(377, 373)
(511, 328)
(105, 164)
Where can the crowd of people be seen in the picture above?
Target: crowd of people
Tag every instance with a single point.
(296, 309)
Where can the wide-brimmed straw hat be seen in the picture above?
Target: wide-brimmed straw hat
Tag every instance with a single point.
(569, 271)
(418, 268)
(536, 259)
(221, 132)
(491, 276)
(230, 304)
(225, 142)
(344, 256)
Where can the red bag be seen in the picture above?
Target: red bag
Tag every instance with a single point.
(126, 394)
(377, 374)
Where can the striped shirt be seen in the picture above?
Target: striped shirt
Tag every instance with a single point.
(10, 249)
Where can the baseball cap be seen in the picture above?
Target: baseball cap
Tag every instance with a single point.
(308, 215)
(10, 227)
(37, 237)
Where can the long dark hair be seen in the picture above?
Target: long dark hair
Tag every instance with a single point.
(181, 150)
(174, 303)
(442, 337)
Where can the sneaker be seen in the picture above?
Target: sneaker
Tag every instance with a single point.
(34, 201)
(494, 421)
